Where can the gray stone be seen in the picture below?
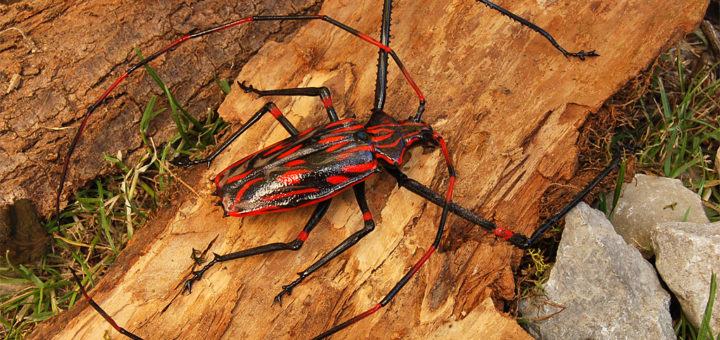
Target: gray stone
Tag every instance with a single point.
(649, 200)
(686, 255)
(608, 290)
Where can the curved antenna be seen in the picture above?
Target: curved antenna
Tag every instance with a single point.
(381, 80)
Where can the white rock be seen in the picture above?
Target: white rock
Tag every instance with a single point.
(649, 200)
(686, 256)
(609, 291)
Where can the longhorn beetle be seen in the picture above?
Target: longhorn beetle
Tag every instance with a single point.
(312, 166)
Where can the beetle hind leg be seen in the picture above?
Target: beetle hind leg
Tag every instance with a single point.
(339, 249)
(295, 244)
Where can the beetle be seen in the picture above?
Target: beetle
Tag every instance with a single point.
(312, 166)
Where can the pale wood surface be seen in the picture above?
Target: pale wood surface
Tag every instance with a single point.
(494, 88)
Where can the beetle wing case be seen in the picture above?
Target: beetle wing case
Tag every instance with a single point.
(300, 170)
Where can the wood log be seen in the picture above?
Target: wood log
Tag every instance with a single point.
(508, 104)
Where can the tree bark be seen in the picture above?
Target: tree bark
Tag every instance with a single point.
(507, 103)
(63, 55)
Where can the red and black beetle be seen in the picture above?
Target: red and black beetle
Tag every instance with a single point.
(312, 166)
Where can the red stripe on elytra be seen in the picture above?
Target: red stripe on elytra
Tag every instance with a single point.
(331, 139)
(290, 193)
(305, 132)
(377, 138)
(289, 152)
(242, 190)
(295, 162)
(291, 177)
(359, 167)
(273, 150)
(336, 179)
(238, 177)
(350, 128)
(217, 178)
(376, 130)
(359, 148)
(339, 122)
(336, 146)
(348, 153)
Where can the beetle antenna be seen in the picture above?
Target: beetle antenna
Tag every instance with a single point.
(97, 307)
(381, 81)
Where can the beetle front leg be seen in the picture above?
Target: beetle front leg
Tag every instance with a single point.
(321, 92)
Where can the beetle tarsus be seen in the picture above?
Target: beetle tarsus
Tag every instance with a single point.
(197, 274)
(286, 290)
(185, 162)
(248, 88)
(582, 54)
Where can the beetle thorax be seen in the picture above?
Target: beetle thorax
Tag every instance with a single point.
(390, 137)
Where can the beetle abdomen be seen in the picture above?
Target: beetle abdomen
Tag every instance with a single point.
(300, 170)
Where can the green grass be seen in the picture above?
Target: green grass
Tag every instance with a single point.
(685, 330)
(676, 123)
(681, 130)
(94, 228)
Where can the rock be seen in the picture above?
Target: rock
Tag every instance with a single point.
(686, 255)
(649, 200)
(607, 289)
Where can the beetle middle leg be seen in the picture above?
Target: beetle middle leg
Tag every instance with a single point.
(295, 244)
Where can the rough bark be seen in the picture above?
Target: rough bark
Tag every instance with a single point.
(508, 104)
(65, 54)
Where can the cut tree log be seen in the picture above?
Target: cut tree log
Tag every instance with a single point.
(494, 89)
